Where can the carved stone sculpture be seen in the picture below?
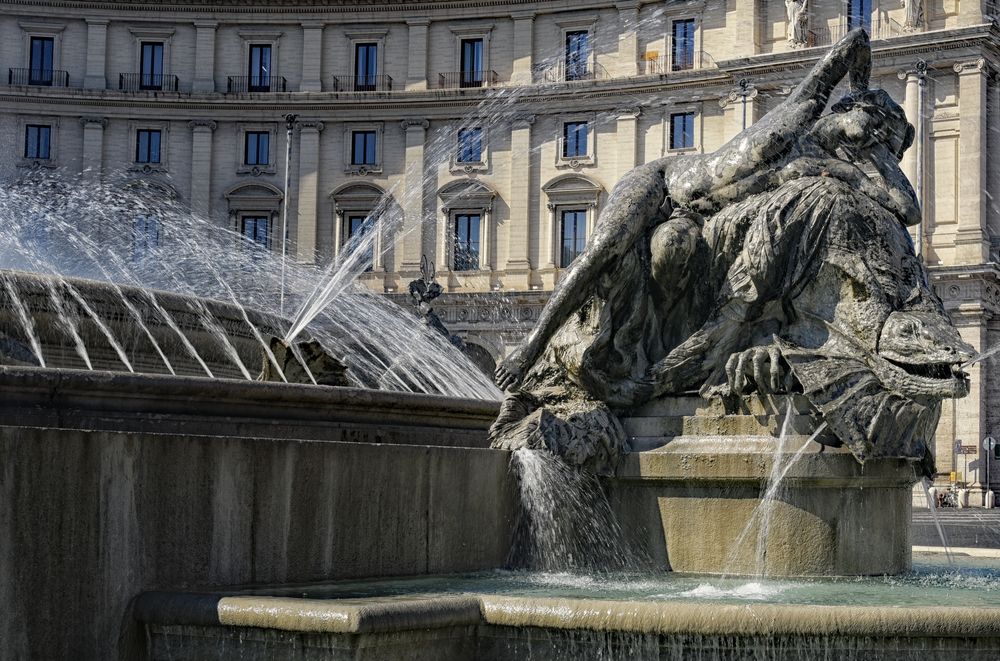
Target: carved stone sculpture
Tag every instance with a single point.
(772, 265)
(423, 291)
(914, 18)
(325, 369)
(798, 21)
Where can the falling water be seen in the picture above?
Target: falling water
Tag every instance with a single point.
(982, 356)
(70, 324)
(101, 325)
(932, 506)
(566, 521)
(24, 318)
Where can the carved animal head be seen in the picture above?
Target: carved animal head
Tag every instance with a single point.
(923, 354)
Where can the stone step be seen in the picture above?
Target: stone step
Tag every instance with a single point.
(717, 425)
(694, 405)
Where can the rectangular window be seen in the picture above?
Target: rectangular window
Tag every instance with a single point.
(151, 66)
(472, 63)
(257, 148)
(467, 242)
(682, 130)
(365, 67)
(470, 145)
(145, 236)
(41, 61)
(357, 230)
(577, 55)
(859, 14)
(38, 141)
(363, 148)
(572, 233)
(682, 46)
(256, 230)
(259, 69)
(574, 139)
(147, 146)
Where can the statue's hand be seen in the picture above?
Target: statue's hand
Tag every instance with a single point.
(760, 368)
(511, 370)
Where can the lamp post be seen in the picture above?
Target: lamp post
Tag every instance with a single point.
(745, 91)
(289, 127)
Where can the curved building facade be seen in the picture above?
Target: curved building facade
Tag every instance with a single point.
(491, 132)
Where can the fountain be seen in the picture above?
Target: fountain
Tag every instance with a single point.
(709, 456)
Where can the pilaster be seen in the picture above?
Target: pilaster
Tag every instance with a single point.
(972, 238)
(204, 56)
(312, 57)
(97, 44)
(201, 166)
(524, 23)
(519, 237)
(913, 164)
(93, 147)
(411, 242)
(627, 137)
(416, 72)
(970, 12)
(306, 219)
(628, 37)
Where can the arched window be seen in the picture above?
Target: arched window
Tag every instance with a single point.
(254, 210)
(465, 238)
(360, 209)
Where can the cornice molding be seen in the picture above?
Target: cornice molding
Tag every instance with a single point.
(196, 124)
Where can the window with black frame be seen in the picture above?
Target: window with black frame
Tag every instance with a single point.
(470, 145)
(682, 130)
(357, 232)
(572, 235)
(259, 68)
(151, 66)
(145, 236)
(363, 148)
(147, 146)
(256, 231)
(859, 14)
(38, 141)
(365, 67)
(575, 139)
(257, 145)
(577, 55)
(472, 63)
(682, 45)
(466, 257)
(41, 61)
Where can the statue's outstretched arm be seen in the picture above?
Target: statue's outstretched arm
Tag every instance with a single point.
(633, 204)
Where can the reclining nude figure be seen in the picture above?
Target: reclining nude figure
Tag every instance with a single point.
(685, 278)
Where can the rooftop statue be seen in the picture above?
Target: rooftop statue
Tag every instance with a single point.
(773, 265)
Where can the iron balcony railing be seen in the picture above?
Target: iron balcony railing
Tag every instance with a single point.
(880, 29)
(44, 77)
(362, 83)
(460, 79)
(136, 82)
(681, 61)
(244, 84)
(563, 72)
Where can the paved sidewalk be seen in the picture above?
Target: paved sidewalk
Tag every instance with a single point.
(968, 528)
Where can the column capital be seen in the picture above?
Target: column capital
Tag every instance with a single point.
(97, 21)
(206, 25)
(629, 5)
(202, 124)
(310, 125)
(973, 66)
(523, 15)
(418, 22)
(523, 120)
(313, 25)
(414, 123)
(628, 112)
(88, 120)
(918, 71)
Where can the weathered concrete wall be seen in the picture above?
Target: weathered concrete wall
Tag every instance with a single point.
(89, 519)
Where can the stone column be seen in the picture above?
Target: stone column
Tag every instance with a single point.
(306, 220)
(204, 56)
(518, 240)
(546, 256)
(627, 138)
(523, 47)
(201, 166)
(411, 241)
(972, 238)
(93, 147)
(628, 38)
(911, 104)
(993, 174)
(97, 44)
(312, 57)
(913, 160)
(416, 71)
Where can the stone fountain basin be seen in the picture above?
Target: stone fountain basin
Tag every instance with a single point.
(520, 615)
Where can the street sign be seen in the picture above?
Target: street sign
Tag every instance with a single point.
(967, 449)
(989, 443)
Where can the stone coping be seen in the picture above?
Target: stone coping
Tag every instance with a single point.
(57, 397)
(391, 614)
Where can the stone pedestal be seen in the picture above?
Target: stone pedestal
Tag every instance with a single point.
(691, 491)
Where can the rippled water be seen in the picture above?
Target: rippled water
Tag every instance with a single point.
(972, 582)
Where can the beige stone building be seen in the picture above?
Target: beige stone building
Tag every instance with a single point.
(493, 130)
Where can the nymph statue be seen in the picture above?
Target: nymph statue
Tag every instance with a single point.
(914, 14)
(798, 21)
(775, 264)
